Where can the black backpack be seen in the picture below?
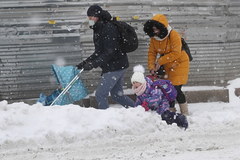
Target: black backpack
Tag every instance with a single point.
(186, 48)
(128, 37)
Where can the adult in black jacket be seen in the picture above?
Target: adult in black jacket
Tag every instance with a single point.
(108, 56)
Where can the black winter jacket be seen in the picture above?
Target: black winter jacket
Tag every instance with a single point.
(107, 55)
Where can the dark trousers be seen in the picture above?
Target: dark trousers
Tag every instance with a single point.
(112, 82)
(180, 96)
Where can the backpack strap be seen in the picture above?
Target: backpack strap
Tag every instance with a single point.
(158, 85)
(163, 90)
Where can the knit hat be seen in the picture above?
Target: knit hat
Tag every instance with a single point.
(138, 75)
(94, 11)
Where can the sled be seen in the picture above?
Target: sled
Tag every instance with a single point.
(71, 88)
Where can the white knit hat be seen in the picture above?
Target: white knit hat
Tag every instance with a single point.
(138, 75)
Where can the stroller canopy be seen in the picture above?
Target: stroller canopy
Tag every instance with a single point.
(64, 75)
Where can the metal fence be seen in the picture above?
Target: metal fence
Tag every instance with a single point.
(34, 35)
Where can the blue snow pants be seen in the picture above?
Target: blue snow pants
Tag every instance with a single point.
(112, 82)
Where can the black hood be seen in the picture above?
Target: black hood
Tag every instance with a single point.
(97, 11)
(105, 16)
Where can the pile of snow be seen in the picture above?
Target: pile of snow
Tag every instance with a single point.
(73, 132)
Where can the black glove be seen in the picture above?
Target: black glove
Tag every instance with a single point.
(88, 66)
(80, 65)
(161, 71)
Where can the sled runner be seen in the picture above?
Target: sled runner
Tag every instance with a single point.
(70, 89)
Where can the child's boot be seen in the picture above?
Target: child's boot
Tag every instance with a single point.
(181, 121)
(172, 117)
(168, 116)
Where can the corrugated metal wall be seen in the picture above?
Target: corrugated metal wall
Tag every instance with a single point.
(30, 42)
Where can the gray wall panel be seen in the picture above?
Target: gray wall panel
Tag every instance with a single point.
(29, 44)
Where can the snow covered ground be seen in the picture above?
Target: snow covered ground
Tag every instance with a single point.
(75, 133)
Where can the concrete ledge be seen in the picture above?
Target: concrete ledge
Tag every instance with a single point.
(193, 96)
(237, 92)
(207, 96)
(91, 101)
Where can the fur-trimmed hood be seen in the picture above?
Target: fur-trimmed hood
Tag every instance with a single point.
(159, 21)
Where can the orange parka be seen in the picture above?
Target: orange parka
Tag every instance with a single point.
(173, 58)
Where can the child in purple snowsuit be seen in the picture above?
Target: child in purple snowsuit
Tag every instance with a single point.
(153, 98)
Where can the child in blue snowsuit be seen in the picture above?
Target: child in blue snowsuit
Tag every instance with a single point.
(153, 98)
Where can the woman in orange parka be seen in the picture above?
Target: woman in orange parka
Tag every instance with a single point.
(166, 50)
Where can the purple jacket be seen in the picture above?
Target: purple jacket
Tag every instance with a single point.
(154, 97)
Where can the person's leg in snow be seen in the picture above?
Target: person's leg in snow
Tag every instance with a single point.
(112, 82)
(118, 95)
(181, 99)
(172, 117)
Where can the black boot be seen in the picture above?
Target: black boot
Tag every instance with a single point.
(172, 117)
(181, 121)
(168, 117)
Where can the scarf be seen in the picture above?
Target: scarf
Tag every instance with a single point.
(140, 90)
